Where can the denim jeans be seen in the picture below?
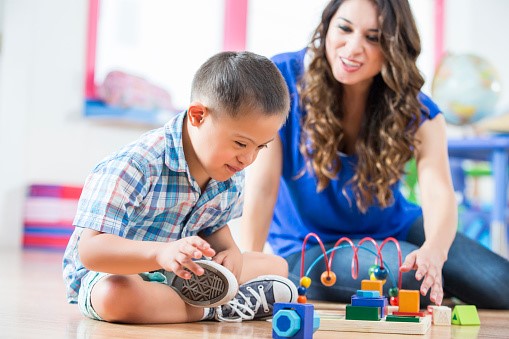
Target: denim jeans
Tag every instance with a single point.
(472, 273)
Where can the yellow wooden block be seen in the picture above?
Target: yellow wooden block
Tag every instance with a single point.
(372, 285)
(409, 301)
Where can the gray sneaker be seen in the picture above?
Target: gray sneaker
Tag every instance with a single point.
(213, 288)
(255, 299)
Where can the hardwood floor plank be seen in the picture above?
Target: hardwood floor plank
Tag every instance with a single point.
(33, 305)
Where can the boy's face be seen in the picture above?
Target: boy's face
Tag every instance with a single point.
(222, 146)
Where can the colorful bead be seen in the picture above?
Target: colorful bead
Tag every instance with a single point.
(380, 273)
(328, 278)
(301, 299)
(305, 282)
(394, 301)
(301, 290)
(393, 291)
(372, 269)
(372, 276)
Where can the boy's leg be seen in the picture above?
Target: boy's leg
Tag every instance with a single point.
(256, 264)
(130, 299)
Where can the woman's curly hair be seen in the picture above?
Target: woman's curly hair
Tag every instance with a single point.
(387, 136)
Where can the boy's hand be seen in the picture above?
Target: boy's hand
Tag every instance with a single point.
(231, 259)
(177, 255)
(428, 265)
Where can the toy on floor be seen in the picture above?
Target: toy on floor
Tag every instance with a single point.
(297, 321)
(378, 273)
(465, 315)
(369, 308)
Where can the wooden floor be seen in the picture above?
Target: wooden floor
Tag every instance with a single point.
(32, 305)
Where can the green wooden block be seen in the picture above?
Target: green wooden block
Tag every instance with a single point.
(362, 313)
(465, 315)
(397, 318)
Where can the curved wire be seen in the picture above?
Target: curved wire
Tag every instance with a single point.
(303, 252)
(344, 246)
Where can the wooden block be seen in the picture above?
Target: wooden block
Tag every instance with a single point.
(371, 302)
(368, 294)
(362, 313)
(338, 323)
(441, 315)
(391, 309)
(372, 285)
(409, 314)
(465, 315)
(408, 301)
(397, 318)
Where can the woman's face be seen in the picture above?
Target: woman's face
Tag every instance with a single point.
(352, 47)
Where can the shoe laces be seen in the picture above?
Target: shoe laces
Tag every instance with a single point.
(243, 310)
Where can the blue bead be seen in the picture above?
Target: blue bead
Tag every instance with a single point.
(301, 290)
(372, 269)
(380, 273)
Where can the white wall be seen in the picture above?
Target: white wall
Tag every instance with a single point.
(43, 136)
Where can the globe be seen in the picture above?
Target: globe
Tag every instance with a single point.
(466, 87)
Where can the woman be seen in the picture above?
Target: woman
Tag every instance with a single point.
(357, 117)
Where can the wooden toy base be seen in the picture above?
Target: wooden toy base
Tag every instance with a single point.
(334, 322)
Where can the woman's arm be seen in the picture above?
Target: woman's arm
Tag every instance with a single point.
(261, 190)
(438, 205)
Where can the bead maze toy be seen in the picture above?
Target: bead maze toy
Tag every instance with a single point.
(369, 309)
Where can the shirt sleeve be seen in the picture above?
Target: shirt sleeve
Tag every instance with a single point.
(110, 194)
(430, 109)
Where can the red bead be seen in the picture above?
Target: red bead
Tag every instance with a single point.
(302, 299)
(394, 301)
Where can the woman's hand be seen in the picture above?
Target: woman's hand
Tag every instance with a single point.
(177, 256)
(428, 263)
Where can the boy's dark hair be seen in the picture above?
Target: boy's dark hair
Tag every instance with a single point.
(234, 80)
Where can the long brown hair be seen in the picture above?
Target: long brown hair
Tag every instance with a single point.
(387, 136)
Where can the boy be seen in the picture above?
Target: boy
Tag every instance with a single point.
(150, 211)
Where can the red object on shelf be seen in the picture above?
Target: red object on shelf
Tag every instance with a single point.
(49, 212)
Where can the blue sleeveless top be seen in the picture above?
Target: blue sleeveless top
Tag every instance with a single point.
(300, 209)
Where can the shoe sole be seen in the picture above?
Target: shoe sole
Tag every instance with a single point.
(213, 288)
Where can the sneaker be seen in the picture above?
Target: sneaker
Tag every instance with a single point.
(213, 288)
(255, 299)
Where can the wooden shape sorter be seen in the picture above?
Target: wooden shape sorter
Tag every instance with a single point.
(331, 321)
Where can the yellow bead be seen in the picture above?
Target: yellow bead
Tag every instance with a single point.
(305, 282)
(301, 299)
(328, 278)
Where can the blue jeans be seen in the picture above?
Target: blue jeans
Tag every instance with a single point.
(472, 273)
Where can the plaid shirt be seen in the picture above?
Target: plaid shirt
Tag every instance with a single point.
(145, 192)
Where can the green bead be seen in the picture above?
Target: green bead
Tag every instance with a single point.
(393, 292)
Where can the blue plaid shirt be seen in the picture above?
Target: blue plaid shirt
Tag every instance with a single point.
(145, 192)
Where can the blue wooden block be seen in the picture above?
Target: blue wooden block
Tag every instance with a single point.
(294, 321)
(368, 294)
(371, 302)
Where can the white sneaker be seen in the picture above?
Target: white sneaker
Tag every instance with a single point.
(213, 288)
(255, 299)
